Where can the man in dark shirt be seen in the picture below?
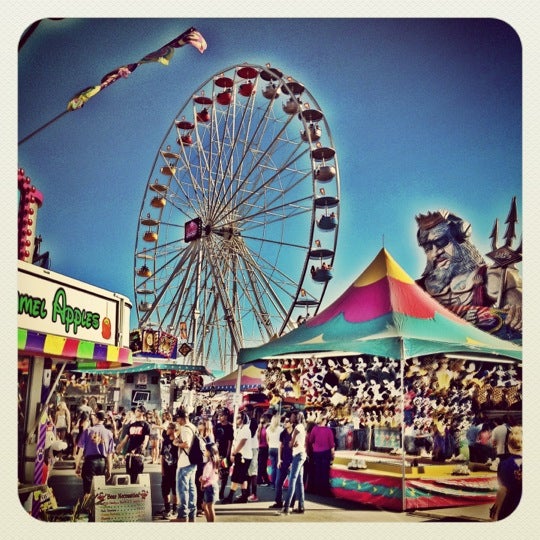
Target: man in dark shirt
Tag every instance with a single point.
(284, 461)
(137, 440)
(224, 433)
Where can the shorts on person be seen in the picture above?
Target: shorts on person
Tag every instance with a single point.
(210, 493)
(240, 469)
(168, 480)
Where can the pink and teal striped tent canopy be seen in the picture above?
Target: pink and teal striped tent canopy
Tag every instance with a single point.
(251, 378)
(383, 313)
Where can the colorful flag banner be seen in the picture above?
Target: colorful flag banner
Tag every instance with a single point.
(191, 36)
(82, 97)
(119, 73)
(163, 55)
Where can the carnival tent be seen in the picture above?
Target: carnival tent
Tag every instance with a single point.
(384, 313)
(252, 377)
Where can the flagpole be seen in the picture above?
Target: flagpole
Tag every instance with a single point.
(237, 394)
(190, 37)
(402, 377)
(57, 117)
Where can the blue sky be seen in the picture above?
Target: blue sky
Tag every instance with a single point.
(424, 114)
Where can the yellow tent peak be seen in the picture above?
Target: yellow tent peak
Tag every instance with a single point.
(382, 266)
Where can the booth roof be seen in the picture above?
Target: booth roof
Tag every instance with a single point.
(138, 367)
(384, 313)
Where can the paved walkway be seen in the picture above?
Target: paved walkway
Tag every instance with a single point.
(317, 509)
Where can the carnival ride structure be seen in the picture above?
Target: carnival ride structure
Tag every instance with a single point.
(242, 198)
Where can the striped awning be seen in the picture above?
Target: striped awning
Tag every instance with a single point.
(40, 344)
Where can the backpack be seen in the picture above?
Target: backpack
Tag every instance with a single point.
(196, 450)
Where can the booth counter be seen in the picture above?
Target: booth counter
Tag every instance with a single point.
(386, 482)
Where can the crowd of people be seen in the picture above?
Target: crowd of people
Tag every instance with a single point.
(441, 401)
(132, 438)
(274, 451)
(283, 451)
(291, 453)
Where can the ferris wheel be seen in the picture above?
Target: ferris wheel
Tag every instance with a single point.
(238, 225)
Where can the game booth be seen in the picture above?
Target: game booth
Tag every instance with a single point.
(400, 375)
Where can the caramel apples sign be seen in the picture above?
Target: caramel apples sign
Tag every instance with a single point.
(54, 304)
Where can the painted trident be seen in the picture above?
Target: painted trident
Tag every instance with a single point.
(505, 256)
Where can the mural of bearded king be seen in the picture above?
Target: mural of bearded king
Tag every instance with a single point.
(457, 276)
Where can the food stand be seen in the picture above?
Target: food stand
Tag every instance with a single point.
(61, 322)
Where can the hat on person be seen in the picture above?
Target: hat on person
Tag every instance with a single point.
(140, 408)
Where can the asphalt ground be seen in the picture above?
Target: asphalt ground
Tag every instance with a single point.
(67, 488)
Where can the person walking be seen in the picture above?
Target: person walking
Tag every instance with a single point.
(186, 489)
(322, 444)
(241, 455)
(296, 480)
(254, 463)
(510, 477)
(95, 452)
(284, 461)
(273, 431)
(155, 435)
(62, 423)
(209, 480)
(206, 431)
(136, 441)
(262, 458)
(169, 463)
(224, 432)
